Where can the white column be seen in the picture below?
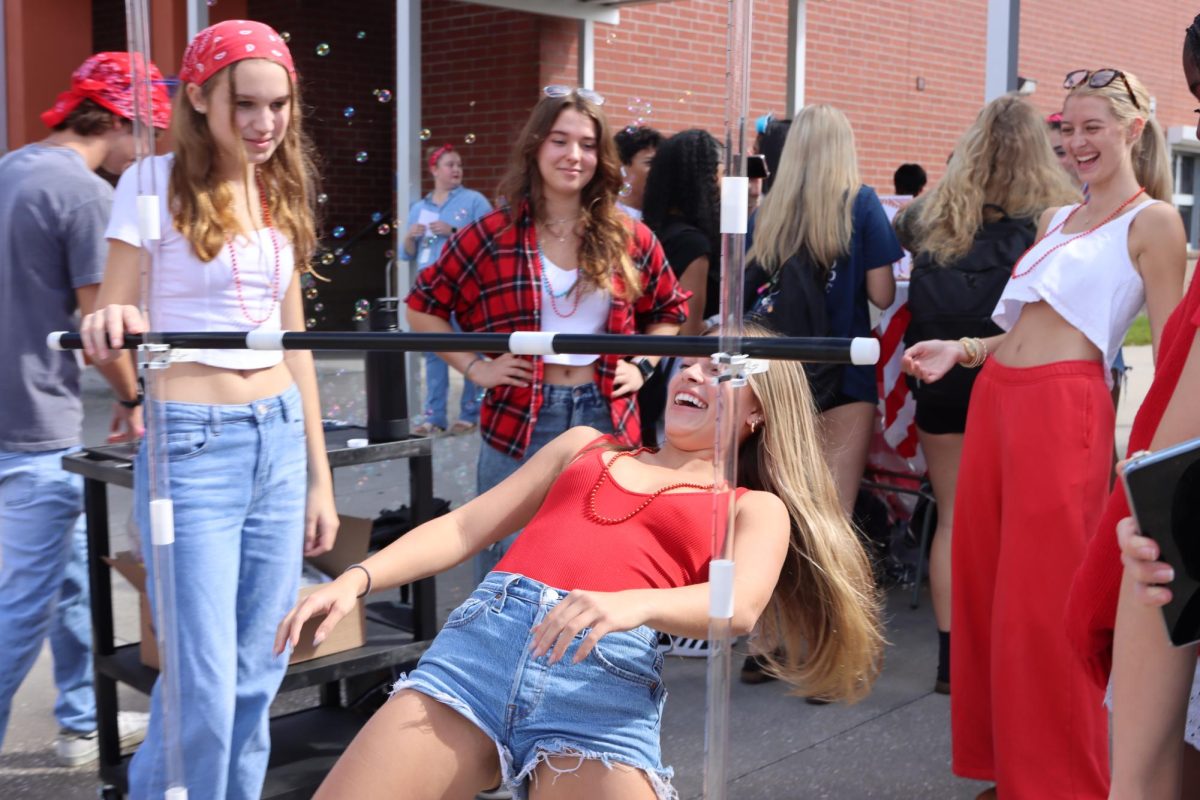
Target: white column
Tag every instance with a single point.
(407, 99)
(1003, 34)
(797, 38)
(587, 54)
(197, 17)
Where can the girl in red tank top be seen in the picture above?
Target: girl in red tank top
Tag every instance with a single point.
(615, 542)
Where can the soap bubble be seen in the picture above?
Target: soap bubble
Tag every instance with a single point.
(389, 253)
(323, 49)
(471, 104)
(361, 35)
(310, 293)
(687, 95)
(345, 259)
(425, 135)
(326, 259)
(626, 189)
(610, 37)
(210, 3)
(384, 96)
(460, 217)
(310, 323)
(307, 280)
(384, 229)
(339, 232)
(322, 198)
(361, 156)
(635, 105)
(348, 112)
(319, 307)
(362, 308)
(469, 139)
(287, 37)
(378, 215)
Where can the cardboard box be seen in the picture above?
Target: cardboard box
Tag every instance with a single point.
(353, 538)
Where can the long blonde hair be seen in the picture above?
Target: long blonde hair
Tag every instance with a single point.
(1151, 159)
(824, 615)
(604, 245)
(812, 198)
(1004, 159)
(202, 205)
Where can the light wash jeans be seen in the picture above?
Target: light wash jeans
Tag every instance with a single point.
(238, 481)
(437, 390)
(44, 583)
(563, 408)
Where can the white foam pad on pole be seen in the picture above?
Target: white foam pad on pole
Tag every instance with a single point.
(720, 588)
(864, 350)
(149, 224)
(531, 343)
(264, 340)
(735, 204)
(176, 793)
(54, 340)
(162, 521)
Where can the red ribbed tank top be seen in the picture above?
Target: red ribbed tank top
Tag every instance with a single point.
(665, 545)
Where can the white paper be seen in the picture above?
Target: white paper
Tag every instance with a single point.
(426, 216)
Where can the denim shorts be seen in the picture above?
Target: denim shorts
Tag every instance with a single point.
(608, 707)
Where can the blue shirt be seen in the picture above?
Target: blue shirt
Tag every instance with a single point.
(873, 245)
(462, 207)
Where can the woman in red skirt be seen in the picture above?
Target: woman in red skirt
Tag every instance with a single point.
(1038, 447)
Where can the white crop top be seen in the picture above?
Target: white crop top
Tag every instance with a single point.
(188, 294)
(1091, 282)
(570, 310)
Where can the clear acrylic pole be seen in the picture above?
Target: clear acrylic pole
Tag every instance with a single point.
(734, 217)
(152, 359)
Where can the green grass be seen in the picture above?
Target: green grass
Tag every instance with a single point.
(1139, 332)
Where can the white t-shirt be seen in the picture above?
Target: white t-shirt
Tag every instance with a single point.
(570, 309)
(190, 295)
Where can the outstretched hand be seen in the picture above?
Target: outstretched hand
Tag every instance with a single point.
(333, 601)
(1140, 556)
(602, 612)
(930, 360)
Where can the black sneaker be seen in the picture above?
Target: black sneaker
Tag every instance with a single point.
(754, 672)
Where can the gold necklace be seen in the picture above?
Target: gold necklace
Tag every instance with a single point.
(549, 225)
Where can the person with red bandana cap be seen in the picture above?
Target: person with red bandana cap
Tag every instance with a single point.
(53, 209)
(249, 478)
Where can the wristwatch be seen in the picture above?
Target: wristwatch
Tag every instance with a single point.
(644, 366)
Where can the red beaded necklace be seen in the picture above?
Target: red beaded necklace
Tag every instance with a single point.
(550, 289)
(1065, 242)
(595, 516)
(237, 278)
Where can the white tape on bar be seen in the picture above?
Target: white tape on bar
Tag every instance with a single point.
(720, 588)
(176, 793)
(531, 343)
(735, 204)
(864, 350)
(149, 226)
(54, 340)
(162, 521)
(264, 340)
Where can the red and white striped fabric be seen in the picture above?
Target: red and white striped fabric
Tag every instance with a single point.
(897, 408)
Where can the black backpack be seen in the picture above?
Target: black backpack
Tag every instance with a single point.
(792, 302)
(949, 301)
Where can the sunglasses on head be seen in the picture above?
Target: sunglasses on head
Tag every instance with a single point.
(557, 90)
(1098, 80)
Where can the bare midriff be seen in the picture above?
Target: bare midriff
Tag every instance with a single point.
(1042, 336)
(563, 375)
(190, 382)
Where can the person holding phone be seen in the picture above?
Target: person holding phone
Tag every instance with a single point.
(1112, 618)
(1037, 450)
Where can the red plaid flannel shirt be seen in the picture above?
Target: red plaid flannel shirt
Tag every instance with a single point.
(489, 277)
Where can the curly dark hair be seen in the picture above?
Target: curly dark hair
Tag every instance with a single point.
(682, 183)
(1191, 43)
(631, 141)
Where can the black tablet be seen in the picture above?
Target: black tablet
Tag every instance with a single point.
(1164, 493)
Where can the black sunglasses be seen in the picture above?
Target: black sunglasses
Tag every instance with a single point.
(1098, 80)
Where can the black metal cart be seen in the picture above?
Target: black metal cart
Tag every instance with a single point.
(304, 744)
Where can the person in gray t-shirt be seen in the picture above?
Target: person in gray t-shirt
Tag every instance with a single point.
(53, 212)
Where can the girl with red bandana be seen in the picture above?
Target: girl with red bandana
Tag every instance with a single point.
(249, 478)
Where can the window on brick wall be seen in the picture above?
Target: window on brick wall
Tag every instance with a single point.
(1186, 170)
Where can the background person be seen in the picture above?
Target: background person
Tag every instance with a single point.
(432, 220)
(974, 225)
(909, 179)
(249, 477)
(636, 147)
(53, 209)
(560, 258)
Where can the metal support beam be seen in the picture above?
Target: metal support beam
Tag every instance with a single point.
(407, 100)
(587, 54)
(197, 17)
(796, 45)
(1003, 38)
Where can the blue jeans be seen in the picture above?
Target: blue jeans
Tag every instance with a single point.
(238, 477)
(607, 707)
(44, 583)
(563, 408)
(437, 389)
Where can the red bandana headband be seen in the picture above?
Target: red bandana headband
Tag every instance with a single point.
(106, 79)
(437, 154)
(220, 45)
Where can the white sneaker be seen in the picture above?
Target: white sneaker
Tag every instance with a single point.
(501, 792)
(73, 749)
(688, 648)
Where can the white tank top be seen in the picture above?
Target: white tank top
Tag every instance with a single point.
(566, 309)
(1091, 282)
